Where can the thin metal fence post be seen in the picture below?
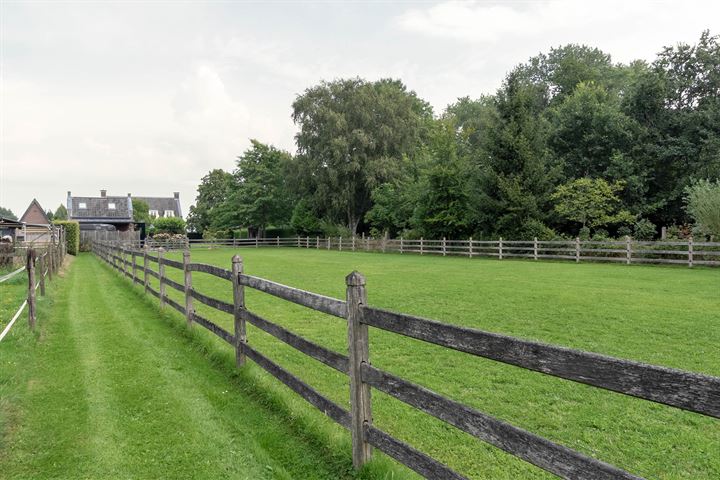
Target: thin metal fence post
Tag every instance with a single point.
(358, 346)
(238, 307)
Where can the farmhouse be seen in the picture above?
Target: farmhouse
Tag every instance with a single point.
(163, 206)
(115, 213)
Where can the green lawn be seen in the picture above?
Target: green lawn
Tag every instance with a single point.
(12, 293)
(111, 388)
(662, 315)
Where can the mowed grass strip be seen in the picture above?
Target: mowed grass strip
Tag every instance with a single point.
(661, 315)
(112, 388)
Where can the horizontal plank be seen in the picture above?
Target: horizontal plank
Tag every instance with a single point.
(173, 263)
(214, 328)
(152, 273)
(556, 257)
(328, 357)
(175, 304)
(177, 286)
(153, 291)
(210, 269)
(321, 303)
(151, 258)
(423, 464)
(552, 457)
(325, 405)
(212, 302)
(686, 390)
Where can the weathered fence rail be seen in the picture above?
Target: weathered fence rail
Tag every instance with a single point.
(627, 251)
(684, 390)
(40, 265)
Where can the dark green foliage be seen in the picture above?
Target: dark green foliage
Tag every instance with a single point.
(141, 211)
(169, 225)
(60, 213)
(72, 235)
(7, 213)
(372, 157)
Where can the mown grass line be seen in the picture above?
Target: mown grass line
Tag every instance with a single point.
(112, 388)
(662, 315)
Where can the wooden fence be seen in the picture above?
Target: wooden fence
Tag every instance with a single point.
(628, 251)
(87, 237)
(684, 390)
(40, 265)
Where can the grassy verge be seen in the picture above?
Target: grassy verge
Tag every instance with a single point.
(110, 387)
(662, 315)
(12, 293)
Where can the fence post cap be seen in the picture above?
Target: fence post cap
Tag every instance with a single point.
(355, 279)
(186, 254)
(236, 259)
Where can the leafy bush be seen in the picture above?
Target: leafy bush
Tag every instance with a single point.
(304, 221)
(535, 228)
(702, 203)
(168, 225)
(644, 229)
(72, 235)
(624, 231)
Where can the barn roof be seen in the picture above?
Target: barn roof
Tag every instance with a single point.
(35, 214)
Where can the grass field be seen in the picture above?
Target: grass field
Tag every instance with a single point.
(662, 315)
(111, 388)
(12, 293)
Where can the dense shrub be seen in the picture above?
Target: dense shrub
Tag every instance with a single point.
(168, 225)
(644, 229)
(72, 235)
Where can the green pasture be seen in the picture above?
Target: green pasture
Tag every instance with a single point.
(662, 315)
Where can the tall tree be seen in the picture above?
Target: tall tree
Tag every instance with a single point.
(262, 195)
(214, 190)
(7, 213)
(141, 211)
(590, 202)
(354, 135)
(61, 213)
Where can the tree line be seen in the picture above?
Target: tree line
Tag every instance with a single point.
(572, 143)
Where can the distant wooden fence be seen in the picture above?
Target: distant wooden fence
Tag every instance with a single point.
(685, 390)
(87, 237)
(41, 266)
(628, 251)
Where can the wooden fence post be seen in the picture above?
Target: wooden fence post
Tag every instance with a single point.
(41, 261)
(50, 266)
(500, 249)
(30, 266)
(277, 240)
(238, 306)
(444, 249)
(161, 274)
(353, 242)
(401, 245)
(328, 243)
(317, 243)
(367, 243)
(145, 268)
(470, 245)
(535, 248)
(358, 346)
(628, 250)
(421, 245)
(690, 252)
(340, 243)
(307, 241)
(257, 239)
(189, 310)
(577, 249)
(134, 267)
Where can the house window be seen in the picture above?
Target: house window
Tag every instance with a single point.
(111, 206)
(153, 213)
(169, 213)
(82, 205)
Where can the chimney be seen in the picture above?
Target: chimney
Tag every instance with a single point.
(176, 194)
(103, 193)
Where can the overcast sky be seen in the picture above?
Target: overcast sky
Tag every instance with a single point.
(146, 97)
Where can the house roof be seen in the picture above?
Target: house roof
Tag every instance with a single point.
(10, 223)
(35, 214)
(98, 208)
(163, 203)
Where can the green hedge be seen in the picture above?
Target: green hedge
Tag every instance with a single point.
(72, 235)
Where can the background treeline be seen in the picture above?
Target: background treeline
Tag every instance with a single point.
(571, 144)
